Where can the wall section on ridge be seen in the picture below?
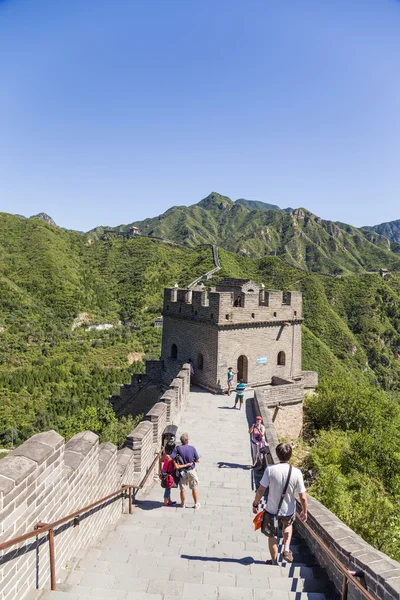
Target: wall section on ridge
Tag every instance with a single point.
(46, 479)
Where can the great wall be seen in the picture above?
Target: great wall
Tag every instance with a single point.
(125, 544)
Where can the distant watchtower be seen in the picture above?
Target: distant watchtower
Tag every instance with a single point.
(238, 324)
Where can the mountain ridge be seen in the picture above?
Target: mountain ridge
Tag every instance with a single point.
(297, 236)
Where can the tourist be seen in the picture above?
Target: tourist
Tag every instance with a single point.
(284, 481)
(257, 432)
(191, 368)
(166, 470)
(240, 388)
(188, 477)
(231, 375)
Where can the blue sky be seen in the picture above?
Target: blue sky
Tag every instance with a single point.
(114, 111)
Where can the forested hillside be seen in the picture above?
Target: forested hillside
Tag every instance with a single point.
(56, 372)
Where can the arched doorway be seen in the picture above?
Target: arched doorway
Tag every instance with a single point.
(174, 351)
(281, 359)
(242, 368)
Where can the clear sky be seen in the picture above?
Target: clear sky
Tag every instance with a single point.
(113, 111)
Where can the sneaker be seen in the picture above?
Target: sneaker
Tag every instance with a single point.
(197, 505)
(183, 505)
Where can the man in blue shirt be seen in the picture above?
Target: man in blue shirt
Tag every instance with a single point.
(188, 476)
(240, 388)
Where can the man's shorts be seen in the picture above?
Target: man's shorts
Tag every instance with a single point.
(286, 520)
(189, 479)
(239, 397)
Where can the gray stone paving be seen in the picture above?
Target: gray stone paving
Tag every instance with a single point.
(163, 553)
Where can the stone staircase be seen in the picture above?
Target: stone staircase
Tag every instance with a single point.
(166, 553)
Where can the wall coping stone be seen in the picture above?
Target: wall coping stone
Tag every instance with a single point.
(141, 430)
(51, 437)
(87, 436)
(16, 468)
(34, 450)
(157, 410)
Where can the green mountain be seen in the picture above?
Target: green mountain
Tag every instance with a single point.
(299, 237)
(390, 230)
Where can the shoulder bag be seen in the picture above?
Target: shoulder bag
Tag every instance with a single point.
(270, 522)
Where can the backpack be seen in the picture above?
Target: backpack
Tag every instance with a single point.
(179, 460)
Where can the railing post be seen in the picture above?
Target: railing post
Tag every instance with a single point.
(345, 588)
(130, 492)
(53, 581)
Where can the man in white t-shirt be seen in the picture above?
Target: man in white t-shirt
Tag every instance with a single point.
(275, 477)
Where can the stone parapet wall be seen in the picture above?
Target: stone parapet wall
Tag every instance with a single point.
(45, 479)
(381, 573)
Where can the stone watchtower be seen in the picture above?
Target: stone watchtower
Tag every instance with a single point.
(238, 324)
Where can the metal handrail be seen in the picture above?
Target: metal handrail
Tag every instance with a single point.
(41, 528)
(347, 576)
(49, 528)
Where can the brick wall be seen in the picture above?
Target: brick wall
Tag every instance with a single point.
(45, 479)
(381, 573)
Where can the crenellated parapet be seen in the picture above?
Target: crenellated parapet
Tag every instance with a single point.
(46, 479)
(233, 301)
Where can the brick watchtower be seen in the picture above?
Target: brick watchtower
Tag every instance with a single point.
(238, 324)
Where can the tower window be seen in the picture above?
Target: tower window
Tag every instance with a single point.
(281, 359)
(174, 351)
(227, 317)
(212, 316)
(274, 314)
(200, 361)
(253, 315)
(295, 312)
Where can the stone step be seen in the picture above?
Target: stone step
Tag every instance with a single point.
(222, 593)
(174, 580)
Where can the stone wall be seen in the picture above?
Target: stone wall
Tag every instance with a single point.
(261, 344)
(46, 479)
(283, 400)
(192, 339)
(381, 574)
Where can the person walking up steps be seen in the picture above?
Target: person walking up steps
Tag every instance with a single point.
(189, 477)
(257, 432)
(240, 388)
(283, 481)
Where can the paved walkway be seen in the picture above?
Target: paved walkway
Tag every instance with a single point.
(163, 553)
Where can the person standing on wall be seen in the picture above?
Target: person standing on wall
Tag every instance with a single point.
(231, 375)
(166, 468)
(284, 481)
(188, 476)
(240, 388)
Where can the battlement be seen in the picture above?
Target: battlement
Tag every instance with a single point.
(233, 301)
